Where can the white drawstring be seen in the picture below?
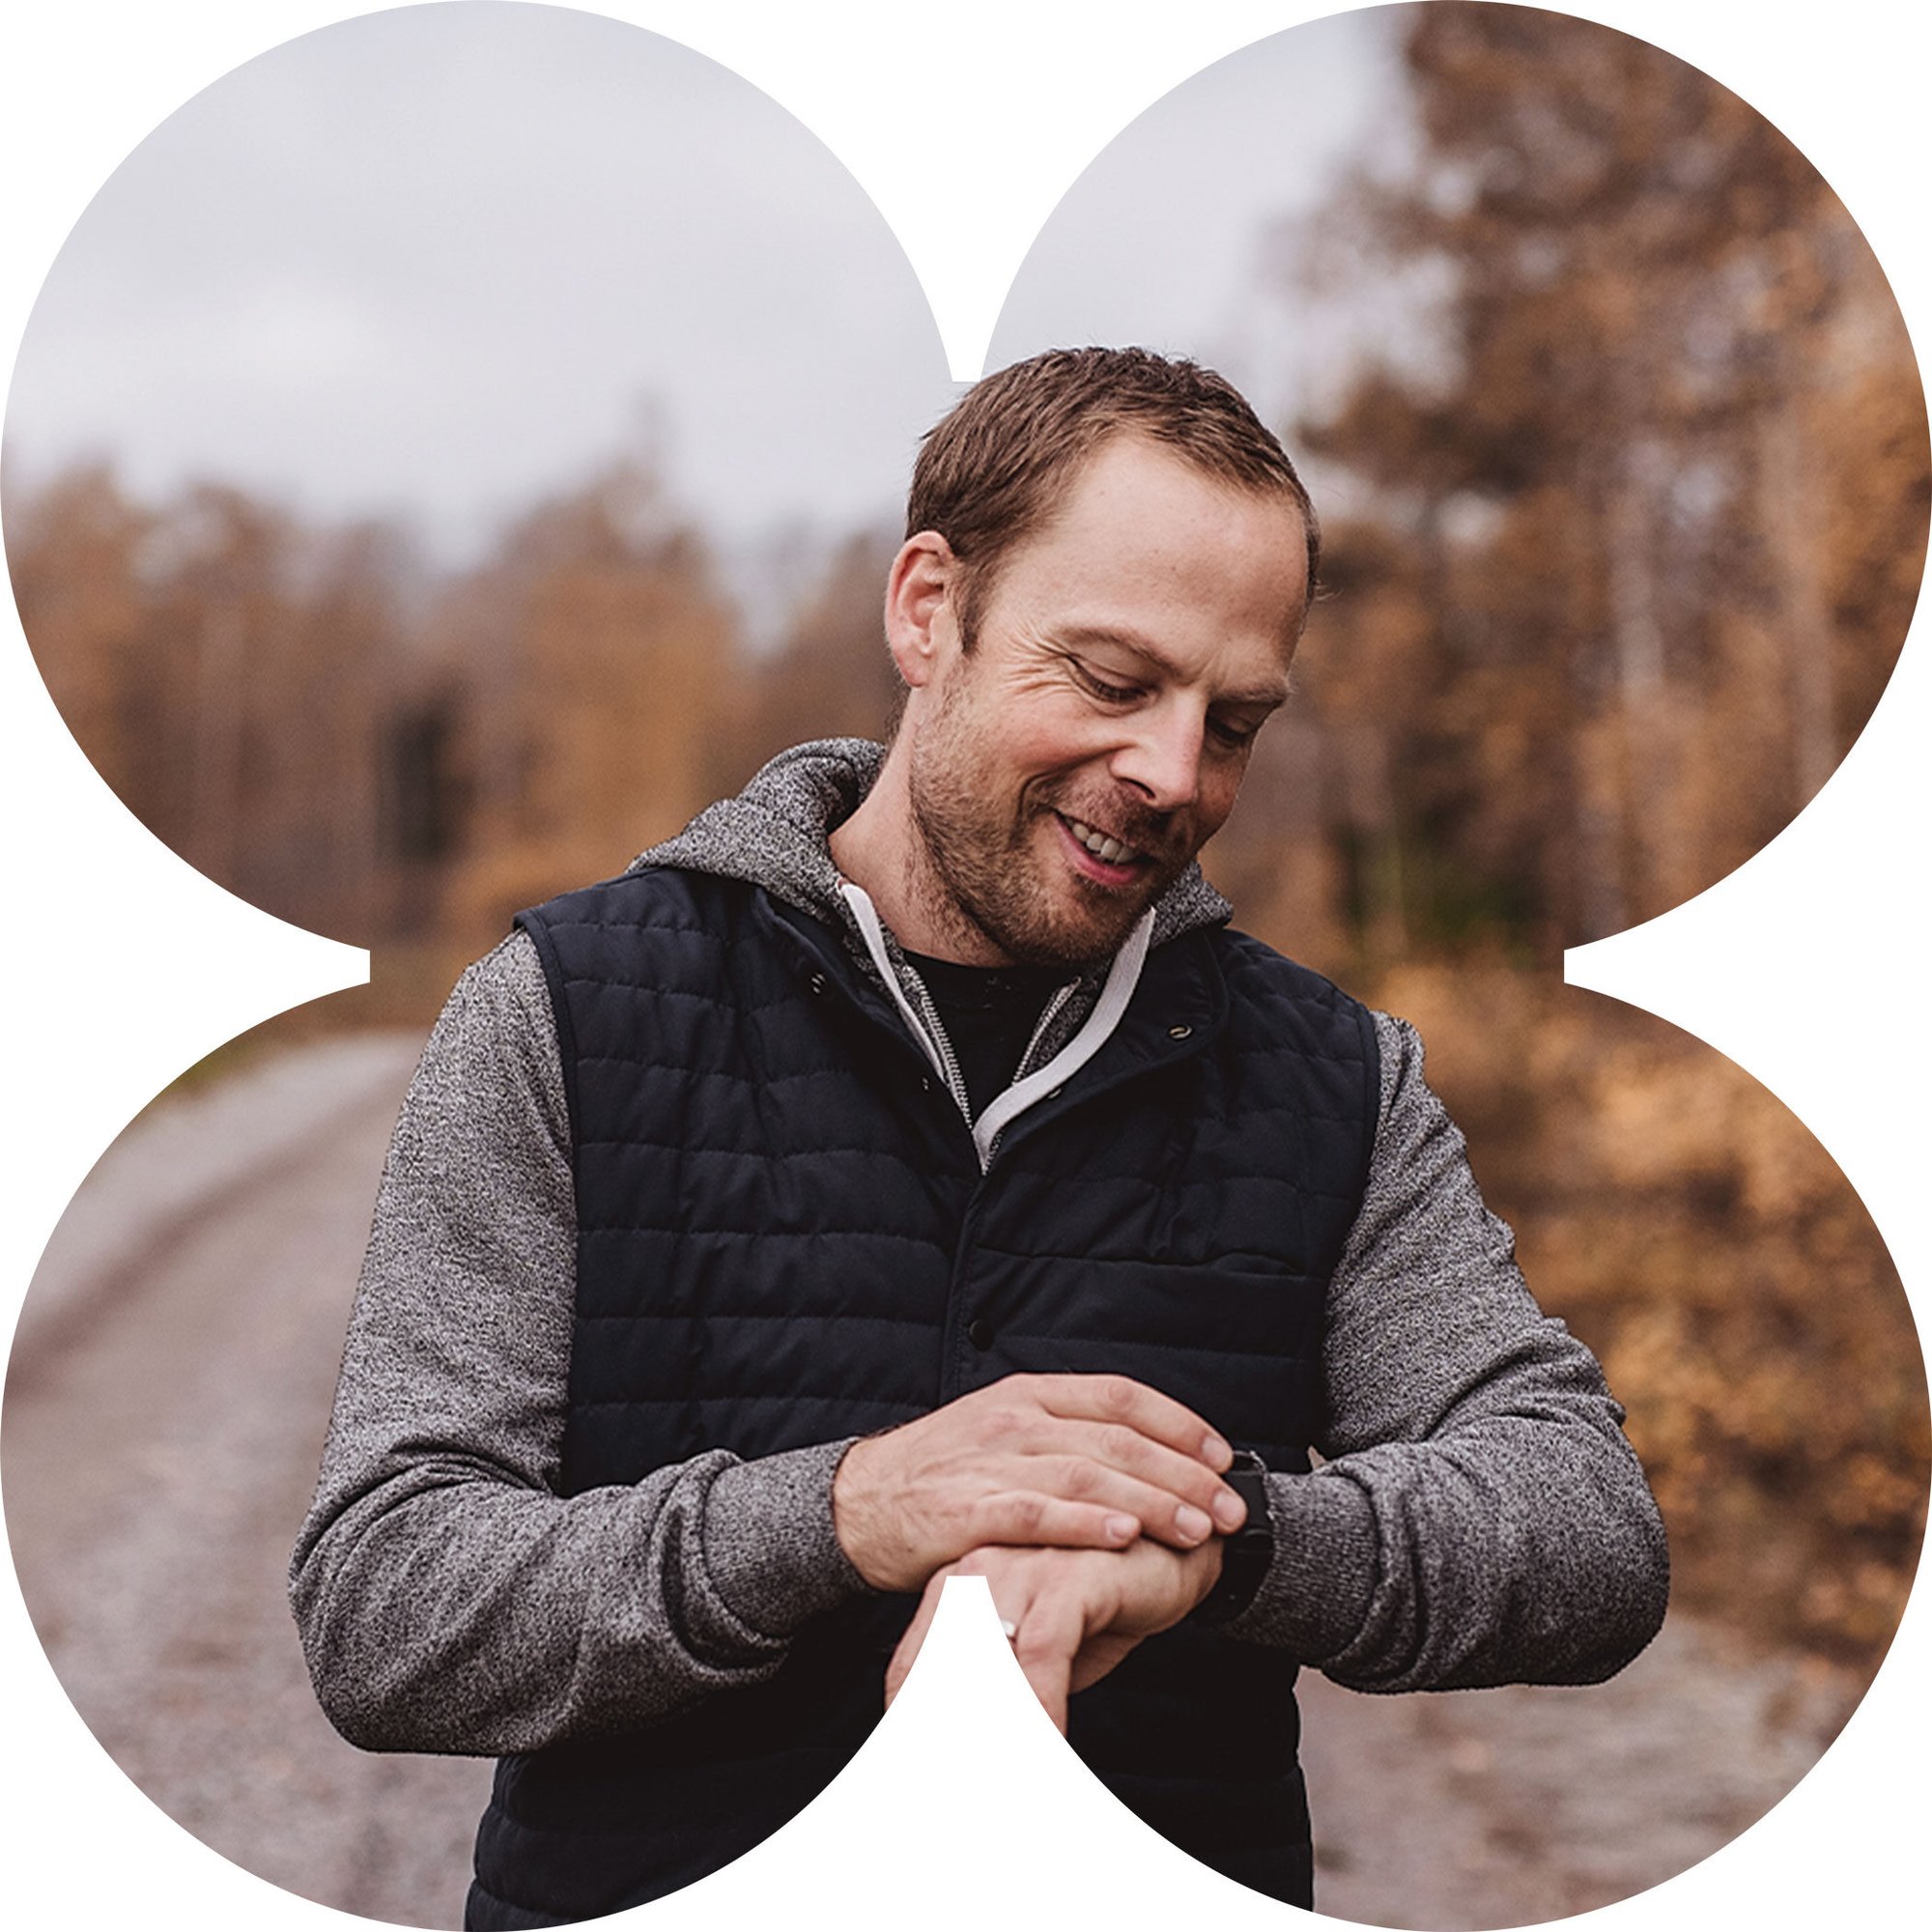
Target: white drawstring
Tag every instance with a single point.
(866, 914)
(1123, 976)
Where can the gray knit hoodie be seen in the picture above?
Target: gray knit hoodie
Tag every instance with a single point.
(1480, 1518)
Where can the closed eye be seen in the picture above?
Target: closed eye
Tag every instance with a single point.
(1233, 734)
(1111, 694)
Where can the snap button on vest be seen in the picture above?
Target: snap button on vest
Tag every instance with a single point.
(1178, 1033)
(980, 1332)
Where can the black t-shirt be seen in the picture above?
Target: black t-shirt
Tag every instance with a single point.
(990, 1013)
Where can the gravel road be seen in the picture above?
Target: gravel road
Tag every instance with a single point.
(165, 1407)
(164, 1412)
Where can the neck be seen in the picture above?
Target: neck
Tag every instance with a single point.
(879, 848)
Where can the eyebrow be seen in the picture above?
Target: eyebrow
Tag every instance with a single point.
(1272, 694)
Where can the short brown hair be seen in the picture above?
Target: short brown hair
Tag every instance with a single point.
(997, 463)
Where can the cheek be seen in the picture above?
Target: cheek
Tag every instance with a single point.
(1046, 746)
(1218, 791)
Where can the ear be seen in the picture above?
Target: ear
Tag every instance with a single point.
(921, 626)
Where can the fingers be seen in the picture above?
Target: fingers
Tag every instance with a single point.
(1133, 1406)
(900, 1667)
(1173, 1496)
(1039, 1520)
(1068, 1462)
(1097, 1656)
(1042, 1517)
(1071, 1615)
(1046, 1639)
(1046, 1627)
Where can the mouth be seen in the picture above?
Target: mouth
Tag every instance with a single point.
(1099, 856)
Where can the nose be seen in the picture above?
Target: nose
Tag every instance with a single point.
(1161, 756)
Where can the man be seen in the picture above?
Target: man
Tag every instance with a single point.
(905, 1171)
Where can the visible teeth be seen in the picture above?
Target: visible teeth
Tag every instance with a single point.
(1111, 850)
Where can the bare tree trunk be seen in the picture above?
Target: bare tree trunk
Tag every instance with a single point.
(1595, 734)
(1652, 826)
(1373, 808)
(214, 789)
(1794, 547)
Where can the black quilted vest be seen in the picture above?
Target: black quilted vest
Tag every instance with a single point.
(784, 1238)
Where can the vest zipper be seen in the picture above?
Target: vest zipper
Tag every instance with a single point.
(1054, 1008)
(1122, 976)
(955, 1081)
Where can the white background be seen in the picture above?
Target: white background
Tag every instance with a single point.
(965, 125)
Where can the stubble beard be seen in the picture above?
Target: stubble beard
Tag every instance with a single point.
(981, 883)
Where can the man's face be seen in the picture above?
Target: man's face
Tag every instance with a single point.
(1065, 770)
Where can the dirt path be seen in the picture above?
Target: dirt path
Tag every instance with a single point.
(176, 1360)
(163, 1421)
(1479, 1808)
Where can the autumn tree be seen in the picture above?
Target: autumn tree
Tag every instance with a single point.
(73, 551)
(1649, 517)
(597, 659)
(223, 668)
(831, 675)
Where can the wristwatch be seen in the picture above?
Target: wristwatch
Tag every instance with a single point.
(1246, 1554)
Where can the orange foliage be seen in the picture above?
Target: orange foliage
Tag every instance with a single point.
(1691, 1229)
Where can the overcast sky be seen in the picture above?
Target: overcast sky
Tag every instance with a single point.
(1160, 241)
(437, 261)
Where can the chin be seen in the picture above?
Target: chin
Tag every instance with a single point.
(1073, 941)
(1041, 912)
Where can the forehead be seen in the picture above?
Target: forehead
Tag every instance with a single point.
(1145, 541)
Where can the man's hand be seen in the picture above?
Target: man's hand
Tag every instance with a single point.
(1075, 1613)
(1071, 1461)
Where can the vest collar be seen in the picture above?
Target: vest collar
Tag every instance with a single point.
(1179, 1007)
(1174, 1006)
(1115, 991)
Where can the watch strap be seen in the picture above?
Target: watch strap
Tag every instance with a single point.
(1246, 1555)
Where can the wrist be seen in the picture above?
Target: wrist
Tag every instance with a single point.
(858, 1522)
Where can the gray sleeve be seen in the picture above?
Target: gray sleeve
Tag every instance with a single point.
(1481, 1518)
(448, 1599)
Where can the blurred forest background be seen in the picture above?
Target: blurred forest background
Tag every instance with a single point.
(1616, 571)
